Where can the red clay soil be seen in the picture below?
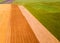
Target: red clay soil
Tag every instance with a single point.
(20, 29)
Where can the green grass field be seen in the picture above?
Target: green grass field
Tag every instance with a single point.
(47, 13)
(1, 0)
(49, 16)
(33, 1)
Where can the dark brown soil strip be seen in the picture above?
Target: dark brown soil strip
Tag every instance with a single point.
(20, 29)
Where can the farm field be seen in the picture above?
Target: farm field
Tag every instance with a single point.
(47, 13)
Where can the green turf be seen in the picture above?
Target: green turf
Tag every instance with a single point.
(33, 1)
(1, 0)
(48, 15)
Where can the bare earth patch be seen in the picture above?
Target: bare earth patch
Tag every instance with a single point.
(5, 31)
(21, 32)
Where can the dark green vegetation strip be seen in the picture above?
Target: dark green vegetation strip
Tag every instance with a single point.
(48, 15)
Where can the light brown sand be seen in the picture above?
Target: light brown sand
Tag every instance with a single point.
(4, 23)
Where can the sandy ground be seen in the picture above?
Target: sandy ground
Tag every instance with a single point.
(42, 34)
(20, 29)
(19, 26)
(14, 27)
(4, 23)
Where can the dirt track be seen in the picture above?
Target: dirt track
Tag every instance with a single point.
(15, 29)
(20, 29)
(4, 23)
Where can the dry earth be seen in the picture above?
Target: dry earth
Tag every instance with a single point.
(21, 32)
(14, 27)
(5, 31)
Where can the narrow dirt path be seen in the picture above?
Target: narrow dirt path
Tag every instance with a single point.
(20, 29)
(42, 34)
